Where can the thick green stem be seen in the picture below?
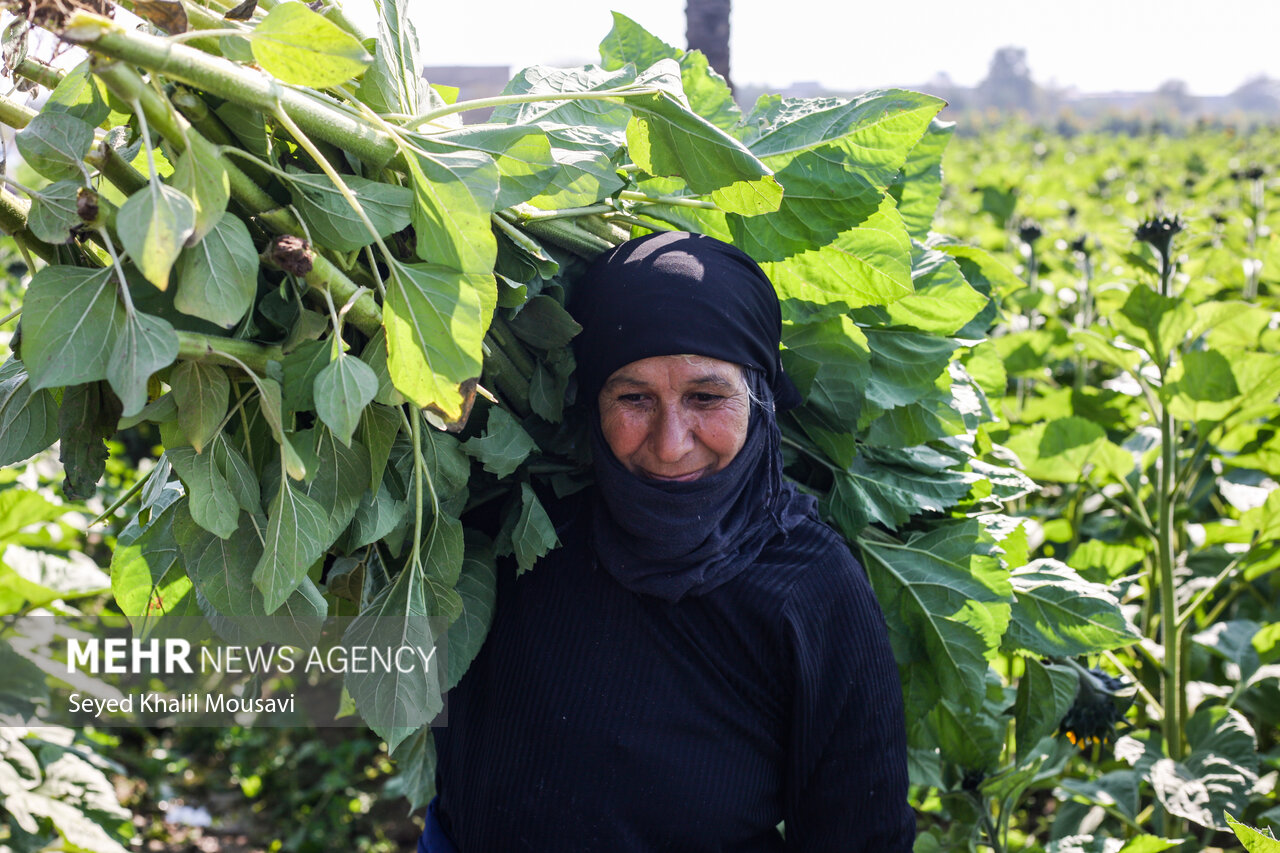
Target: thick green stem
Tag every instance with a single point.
(509, 100)
(233, 82)
(38, 72)
(193, 346)
(1173, 693)
(566, 235)
(505, 340)
(327, 278)
(13, 221)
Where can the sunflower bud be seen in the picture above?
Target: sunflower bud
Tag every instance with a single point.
(1101, 701)
(1159, 232)
(1029, 231)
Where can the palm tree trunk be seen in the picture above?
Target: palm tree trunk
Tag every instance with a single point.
(707, 30)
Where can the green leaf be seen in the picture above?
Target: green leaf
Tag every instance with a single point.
(201, 175)
(330, 220)
(1113, 558)
(972, 741)
(666, 138)
(342, 390)
(55, 145)
(523, 155)
(1253, 840)
(1045, 694)
(869, 264)
(144, 345)
(454, 193)
(905, 366)
(70, 322)
(919, 184)
(586, 171)
(151, 584)
(23, 687)
(53, 211)
(337, 481)
(1057, 613)
(20, 508)
(478, 587)
(1218, 774)
(1068, 450)
(209, 497)
(534, 535)
(943, 302)
(1201, 387)
(201, 392)
(218, 277)
(39, 578)
(296, 536)
(379, 426)
(947, 605)
(871, 491)
(304, 48)
(154, 224)
(239, 476)
(87, 418)
(301, 367)
(28, 417)
(544, 323)
(394, 84)
(503, 446)
(435, 326)
(395, 704)
(80, 94)
(1158, 323)
(221, 570)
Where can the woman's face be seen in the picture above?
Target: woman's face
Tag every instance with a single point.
(675, 417)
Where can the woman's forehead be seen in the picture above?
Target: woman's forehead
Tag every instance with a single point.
(684, 369)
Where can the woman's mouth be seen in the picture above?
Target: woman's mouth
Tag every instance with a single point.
(675, 478)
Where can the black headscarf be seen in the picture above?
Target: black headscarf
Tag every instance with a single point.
(674, 293)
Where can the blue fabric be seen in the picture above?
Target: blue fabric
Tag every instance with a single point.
(433, 839)
(670, 540)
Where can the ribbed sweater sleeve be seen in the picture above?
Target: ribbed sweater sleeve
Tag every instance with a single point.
(846, 779)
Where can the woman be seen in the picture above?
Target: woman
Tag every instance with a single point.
(702, 659)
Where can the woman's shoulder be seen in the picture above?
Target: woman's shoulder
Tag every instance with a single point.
(809, 568)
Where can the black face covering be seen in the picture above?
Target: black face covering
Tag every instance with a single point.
(673, 294)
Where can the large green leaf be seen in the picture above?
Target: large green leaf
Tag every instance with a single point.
(28, 417)
(869, 264)
(523, 155)
(201, 175)
(905, 366)
(534, 535)
(342, 390)
(454, 193)
(1068, 450)
(201, 392)
(54, 212)
(1057, 613)
(305, 48)
(296, 536)
(504, 444)
(338, 477)
(1156, 323)
(1045, 694)
(154, 224)
(151, 585)
(707, 92)
(395, 704)
(1254, 841)
(947, 605)
(586, 167)
(88, 416)
(211, 502)
(71, 320)
(943, 301)
(478, 587)
(919, 184)
(218, 277)
(80, 94)
(144, 345)
(1215, 777)
(972, 741)
(55, 144)
(435, 325)
(875, 491)
(332, 222)
(1201, 387)
(38, 578)
(393, 83)
(222, 570)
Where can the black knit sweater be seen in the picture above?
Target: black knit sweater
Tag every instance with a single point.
(600, 719)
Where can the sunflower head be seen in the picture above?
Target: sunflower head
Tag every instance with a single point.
(1159, 231)
(1101, 701)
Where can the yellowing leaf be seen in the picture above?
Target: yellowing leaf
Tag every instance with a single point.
(303, 47)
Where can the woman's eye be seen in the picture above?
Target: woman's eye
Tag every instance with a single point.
(631, 399)
(706, 399)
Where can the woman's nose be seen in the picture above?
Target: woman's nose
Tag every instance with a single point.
(672, 434)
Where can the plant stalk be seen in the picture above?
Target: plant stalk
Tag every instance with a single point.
(230, 352)
(235, 83)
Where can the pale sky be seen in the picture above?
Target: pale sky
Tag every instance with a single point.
(1093, 45)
